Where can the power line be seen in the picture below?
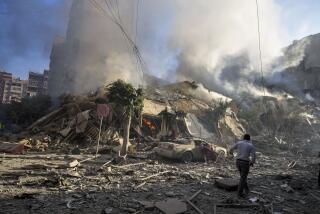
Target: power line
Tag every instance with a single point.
(141, 65)
(260, 52)
(115, 17)
(137, 19)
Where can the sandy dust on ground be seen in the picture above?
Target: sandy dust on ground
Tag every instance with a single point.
(43, 183)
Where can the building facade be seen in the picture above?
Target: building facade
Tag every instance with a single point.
(5, 86)
(37, 83)
(14, 89)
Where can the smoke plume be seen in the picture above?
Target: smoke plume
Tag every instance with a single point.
(212, 42)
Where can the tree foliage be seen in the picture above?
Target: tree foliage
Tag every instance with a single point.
(124, 94)
(27, 111)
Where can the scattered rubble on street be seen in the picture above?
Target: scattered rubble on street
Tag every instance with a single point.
(43, 183)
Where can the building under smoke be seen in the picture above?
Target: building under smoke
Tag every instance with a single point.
(93, 53)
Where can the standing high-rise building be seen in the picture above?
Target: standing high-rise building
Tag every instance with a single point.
(5, 86)
(37, 83)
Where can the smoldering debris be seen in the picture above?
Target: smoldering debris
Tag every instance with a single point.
(196, 112)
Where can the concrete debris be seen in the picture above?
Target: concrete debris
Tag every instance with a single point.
(122, 190)
(54, 157)
(147, 205)
(107, 210)
(286, 188)
(227, 184)
(74, 163)
(171, 206)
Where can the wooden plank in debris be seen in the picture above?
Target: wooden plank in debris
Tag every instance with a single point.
(195, 195)
(238, 205)
(105, 164)
(128, 165)
(91, 158)
(314, 196)
(140, 185)
(42, 119)
(194, 206)
(256, 192)
(155, 175)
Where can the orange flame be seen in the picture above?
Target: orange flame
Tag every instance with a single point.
(149, 124)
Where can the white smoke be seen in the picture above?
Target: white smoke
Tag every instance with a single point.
(207, 32)
(202, 93)
(213, 42)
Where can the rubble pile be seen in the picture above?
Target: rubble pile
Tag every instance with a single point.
(282, 122)
(76, 122)
(208, 115)
(50, 165)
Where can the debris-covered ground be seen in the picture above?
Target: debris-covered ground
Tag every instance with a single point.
(55, 183)
(50, 166)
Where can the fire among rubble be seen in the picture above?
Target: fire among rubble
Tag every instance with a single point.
(149, 124)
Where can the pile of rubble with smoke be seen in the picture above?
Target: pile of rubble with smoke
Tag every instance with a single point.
(275, 122)
(65, 175)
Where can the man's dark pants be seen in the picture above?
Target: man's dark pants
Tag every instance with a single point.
(243, 167)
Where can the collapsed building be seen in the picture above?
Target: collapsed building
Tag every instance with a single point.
(176, 111)
(168, 114)
(297, 71)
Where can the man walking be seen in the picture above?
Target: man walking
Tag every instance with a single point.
(246, 157)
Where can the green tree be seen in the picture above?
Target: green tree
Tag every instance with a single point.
(27, 111)
(125, 97)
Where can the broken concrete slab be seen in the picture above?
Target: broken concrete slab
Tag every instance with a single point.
(172, 206)
(73, 163)
(147, 204)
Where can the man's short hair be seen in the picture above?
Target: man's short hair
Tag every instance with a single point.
(246, 137)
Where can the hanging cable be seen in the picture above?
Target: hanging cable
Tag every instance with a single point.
(260, 52)
(137, 20)
(113, 14)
